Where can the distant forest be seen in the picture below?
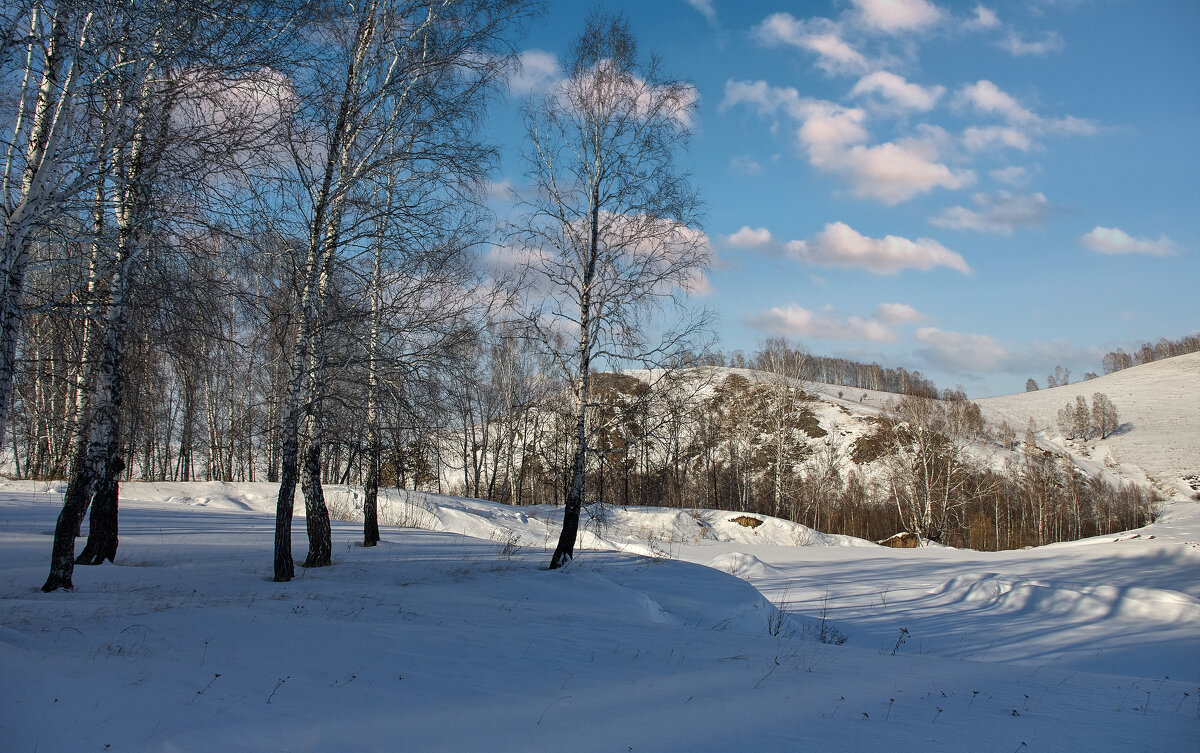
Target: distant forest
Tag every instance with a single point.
(841, 372)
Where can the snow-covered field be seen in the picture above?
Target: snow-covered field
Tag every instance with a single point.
(456, 639)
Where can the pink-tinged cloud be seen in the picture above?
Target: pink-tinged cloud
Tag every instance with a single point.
(897, 313)
(840, 245)
(1022, 124)
(796, 321)
(984, 96)
(834, 138)
(894, 173)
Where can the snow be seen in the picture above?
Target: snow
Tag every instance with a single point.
(458, 639)
(673, 630)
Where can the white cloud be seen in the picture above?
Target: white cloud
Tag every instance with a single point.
(897, 92)
(1049, 42)
(823, 124)
(895, 16)
(1022, 123)
(767, 99)
(502, 259)
(796, 321)
(697, 284)
(1012, 175)
(705, 8)
(897, 313)
(634, 95)
(840, 245)
(501, 190)
(988, 98)
(893, 173)
(537, 71)
(985, 18)
(748, 237)
(969, 354)
(1070, 126)
(978, 139)
(959, 352)
(827, 128)
(998, 213)
(817, 35)
(1112, 240)
(743, 165)
(834, 138)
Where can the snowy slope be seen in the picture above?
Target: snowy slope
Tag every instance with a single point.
(440, 641)
(1158, 441)
(1156, 445)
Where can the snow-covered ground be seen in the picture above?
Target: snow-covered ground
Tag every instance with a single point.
(456, 639)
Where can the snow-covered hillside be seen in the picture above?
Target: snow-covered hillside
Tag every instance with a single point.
(1156, 445)
(457, 639)
(1158, 441)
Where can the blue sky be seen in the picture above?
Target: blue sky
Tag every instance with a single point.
(978, 191)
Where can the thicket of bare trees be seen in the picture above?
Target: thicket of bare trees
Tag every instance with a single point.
(380, 180)
(119, 115)
(842, 372)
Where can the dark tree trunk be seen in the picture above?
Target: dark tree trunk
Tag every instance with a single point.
(102, 528)
(565, 551)
(371, 499)
(316, 514)
(70, 519)
(285, 568)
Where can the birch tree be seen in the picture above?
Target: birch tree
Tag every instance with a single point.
(393, 82)
(609, 228)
